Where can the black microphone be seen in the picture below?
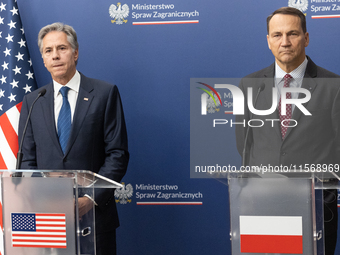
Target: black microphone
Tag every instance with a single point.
(20, 154)
(261, 88)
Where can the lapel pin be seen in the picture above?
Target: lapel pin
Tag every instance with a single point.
(86, 99)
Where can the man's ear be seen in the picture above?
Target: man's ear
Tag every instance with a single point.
(76, 55)
(306, 39)
(268, 42)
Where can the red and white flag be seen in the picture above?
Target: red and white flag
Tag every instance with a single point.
(271, 234)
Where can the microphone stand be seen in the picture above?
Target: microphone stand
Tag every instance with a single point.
(20, 154)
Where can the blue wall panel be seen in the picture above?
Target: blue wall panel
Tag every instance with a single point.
(152, 66)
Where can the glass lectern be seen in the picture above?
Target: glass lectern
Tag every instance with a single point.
(40, 211)
(277, 213)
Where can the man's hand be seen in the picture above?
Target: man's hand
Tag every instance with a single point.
(85, 204)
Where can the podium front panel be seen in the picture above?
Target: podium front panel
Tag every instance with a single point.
(272, 215)
(39, 216)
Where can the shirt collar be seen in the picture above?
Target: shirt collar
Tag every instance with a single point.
(297, 73)
(73, 84)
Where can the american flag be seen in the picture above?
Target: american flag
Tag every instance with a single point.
(16, 80)
(1, 223)
(40, 230)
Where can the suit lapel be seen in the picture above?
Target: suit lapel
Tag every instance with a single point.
(268, 93)
(307, 83)
(83, 103)
(47, 106)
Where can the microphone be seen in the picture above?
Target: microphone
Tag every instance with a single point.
(20, 154)
(261, 88)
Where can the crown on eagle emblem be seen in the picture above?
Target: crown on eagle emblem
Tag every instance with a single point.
(118, 13)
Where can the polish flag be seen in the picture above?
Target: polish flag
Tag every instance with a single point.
(271, 234)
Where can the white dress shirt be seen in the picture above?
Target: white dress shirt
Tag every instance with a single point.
(297, 75)
(72, 96)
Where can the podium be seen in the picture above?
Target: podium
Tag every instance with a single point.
(278, 213)
(41, 215)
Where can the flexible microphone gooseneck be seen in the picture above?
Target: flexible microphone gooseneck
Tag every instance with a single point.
(261, 88)
(20, 154)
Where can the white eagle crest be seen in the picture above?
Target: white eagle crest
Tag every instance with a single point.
(123, 194)
(118, 13)
(302, 5)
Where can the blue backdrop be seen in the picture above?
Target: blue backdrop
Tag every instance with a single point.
(152, 65)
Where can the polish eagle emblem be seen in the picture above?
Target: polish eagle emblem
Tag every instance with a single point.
(118, 13)
(302, 5)
(123, 194)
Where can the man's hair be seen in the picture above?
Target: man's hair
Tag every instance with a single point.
(289, 11)
(60, 27)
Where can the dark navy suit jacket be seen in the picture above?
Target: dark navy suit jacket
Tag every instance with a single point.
(98, 140)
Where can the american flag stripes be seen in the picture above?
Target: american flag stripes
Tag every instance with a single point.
(40, 230)
(16, 79)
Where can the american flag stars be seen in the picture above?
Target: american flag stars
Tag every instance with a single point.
(7, 52)
(2, 7)
(23, 222)
(16, 80)
(16, 73)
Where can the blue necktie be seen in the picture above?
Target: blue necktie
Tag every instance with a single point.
(64, 120)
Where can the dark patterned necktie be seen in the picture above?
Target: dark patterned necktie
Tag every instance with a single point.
(287, 78)
(64, 120)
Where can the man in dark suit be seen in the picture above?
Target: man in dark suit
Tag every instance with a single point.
(310, 139)
(92, 136)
